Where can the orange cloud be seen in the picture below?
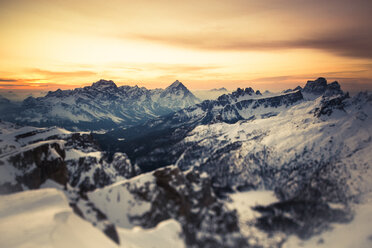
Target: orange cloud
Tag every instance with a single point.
(351, 43)
(59, 74)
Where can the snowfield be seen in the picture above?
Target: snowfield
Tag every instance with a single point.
(43, 218)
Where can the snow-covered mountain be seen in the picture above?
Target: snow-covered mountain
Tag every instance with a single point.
(245, 141)
(166, 131)
(245, 170)
(310, 146)
(102, 105)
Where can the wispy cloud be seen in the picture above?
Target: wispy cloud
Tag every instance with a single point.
(7, 80)
(351, 43)
(14, 85)
(53, 74)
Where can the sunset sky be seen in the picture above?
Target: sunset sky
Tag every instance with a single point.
(271, 44)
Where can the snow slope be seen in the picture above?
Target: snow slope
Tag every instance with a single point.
(43, 218)
(165, 235)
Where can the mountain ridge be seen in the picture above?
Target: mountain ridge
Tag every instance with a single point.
(103, 105)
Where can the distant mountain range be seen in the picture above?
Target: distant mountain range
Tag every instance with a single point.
(211, 94)
(103, 105)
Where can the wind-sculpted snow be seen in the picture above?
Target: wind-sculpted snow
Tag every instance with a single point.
(102, 106)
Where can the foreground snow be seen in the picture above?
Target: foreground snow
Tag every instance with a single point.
(43, 218)
(165, 235)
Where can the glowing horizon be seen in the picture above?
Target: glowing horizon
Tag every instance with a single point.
(205, 44)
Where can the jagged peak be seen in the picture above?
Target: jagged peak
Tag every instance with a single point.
(176, 84)
(242, 91)
(320, 86)
(292, 90)
(297, 88)
(104, 83)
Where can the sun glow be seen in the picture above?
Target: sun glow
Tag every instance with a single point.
(64, 44)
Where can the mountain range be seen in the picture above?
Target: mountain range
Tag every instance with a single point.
(103, 105)
(248, 169)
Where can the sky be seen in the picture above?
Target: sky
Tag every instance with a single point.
(271, 44)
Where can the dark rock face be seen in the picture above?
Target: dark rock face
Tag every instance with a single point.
(39, 164)
(317, 86)
(124, 167)
(328, 105)
(89, 172)
(104, 173)
(333, 88)
(235, 95)
(297, 88)
(177, 88)
(320, 86)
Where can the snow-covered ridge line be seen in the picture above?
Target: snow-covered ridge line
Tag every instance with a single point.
(102, 105)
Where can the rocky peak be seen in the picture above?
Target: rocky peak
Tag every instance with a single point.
(317, 86)
(176, 84)
(249, 91)
(240, 92)
(292, 90)
(58, 93)
(177, 88)
(333, 88)
(320, 87)
(102, 84)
